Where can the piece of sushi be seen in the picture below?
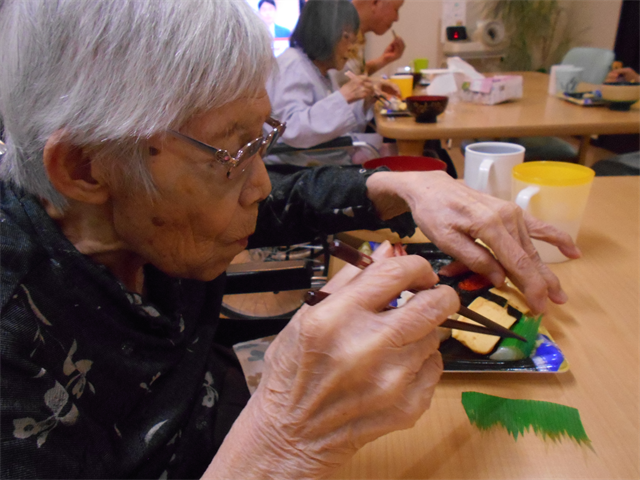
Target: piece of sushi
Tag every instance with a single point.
(478, 342)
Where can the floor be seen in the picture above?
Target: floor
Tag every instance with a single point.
(593, 154)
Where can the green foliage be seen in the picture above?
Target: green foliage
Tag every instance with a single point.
(549, 420)
(538, 33)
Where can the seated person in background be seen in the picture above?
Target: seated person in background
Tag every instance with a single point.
(120, 217)
(267, 10)
(300, 90)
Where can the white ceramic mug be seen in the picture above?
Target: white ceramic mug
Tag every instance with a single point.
(567, 79)
(488, 165)
(556, 193)
(553, 81)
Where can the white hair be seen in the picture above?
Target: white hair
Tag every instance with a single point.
(112, 72)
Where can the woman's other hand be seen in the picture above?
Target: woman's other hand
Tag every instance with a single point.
(623, 75)
(357, 88)
(453, 216)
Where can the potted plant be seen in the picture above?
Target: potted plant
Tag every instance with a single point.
(538, 33)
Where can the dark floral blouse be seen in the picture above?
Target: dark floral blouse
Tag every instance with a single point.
(99, 382)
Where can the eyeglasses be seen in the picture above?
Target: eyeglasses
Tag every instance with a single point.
(260, 145)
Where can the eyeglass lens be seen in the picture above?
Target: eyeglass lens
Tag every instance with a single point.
(259, 145)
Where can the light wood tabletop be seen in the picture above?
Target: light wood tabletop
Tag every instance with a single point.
(598, 331)
(535, 114)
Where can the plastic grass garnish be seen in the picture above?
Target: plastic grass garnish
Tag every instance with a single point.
(548, 420)
(512, 349)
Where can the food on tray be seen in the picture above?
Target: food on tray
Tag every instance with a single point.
(514, 297)
(394, 105)
(477, 342)
(473, 286)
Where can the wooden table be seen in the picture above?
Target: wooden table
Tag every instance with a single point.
(598, 330)
(536, 114)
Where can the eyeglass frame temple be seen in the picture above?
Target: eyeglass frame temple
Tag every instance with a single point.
(223, 157)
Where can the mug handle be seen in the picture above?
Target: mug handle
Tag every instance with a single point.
(524, 196)
(483, 174)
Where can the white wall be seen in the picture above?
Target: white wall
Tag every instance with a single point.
(598, 19)
(419, 26)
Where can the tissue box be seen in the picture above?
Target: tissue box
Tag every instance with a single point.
(492, 90)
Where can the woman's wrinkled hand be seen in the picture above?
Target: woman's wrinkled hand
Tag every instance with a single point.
(357, 88)
(344, 372)
(453, 216)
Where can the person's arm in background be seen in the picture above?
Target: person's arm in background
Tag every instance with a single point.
(392, 53)
(623, 75)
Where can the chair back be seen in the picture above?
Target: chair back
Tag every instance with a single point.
(595, 61)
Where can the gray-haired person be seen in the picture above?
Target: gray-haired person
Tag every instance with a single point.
(133, 176)
(301, 92)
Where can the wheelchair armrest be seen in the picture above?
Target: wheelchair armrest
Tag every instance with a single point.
(255, 277)
(336, 143)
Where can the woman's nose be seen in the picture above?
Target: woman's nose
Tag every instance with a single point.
(257, 185)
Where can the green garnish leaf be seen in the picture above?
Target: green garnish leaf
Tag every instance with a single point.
(548, 420)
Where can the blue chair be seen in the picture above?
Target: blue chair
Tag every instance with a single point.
(596, 63)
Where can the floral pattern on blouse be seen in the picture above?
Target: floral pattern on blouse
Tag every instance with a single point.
(55, 399)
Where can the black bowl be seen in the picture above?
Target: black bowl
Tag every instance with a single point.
(426, 108)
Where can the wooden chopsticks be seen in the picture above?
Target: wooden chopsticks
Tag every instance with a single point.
(358, 259)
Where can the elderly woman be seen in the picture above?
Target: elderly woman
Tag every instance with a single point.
(301, 90)
(133, 176)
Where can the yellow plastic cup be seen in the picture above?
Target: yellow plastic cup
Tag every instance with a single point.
(420, 64)
(405, 83)
(556, 193)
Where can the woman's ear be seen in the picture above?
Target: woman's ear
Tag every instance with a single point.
(72, 172)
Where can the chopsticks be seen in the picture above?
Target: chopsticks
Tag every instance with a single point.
(377, 96)
(384, 101)
(313, 297)
(358, 259)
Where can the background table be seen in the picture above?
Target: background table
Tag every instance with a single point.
(598, 330)
(535, 114)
